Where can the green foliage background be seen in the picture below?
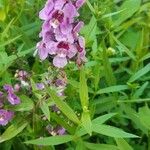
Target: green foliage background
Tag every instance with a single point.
(111, 93)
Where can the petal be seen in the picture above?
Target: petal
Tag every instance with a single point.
(13, 99)
(52, 47)
(66, 28)
(72, 51)
(78, 26)
(59, 35)
(70, 11)
(81, 42)
(59, 62)
(59, 4)
(79, 3)
(42, 50)
(44, 14)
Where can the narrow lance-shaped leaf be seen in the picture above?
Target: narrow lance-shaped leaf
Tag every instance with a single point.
(140, 73)
(86, 122)
(53, 140)
(45, 109)
(63, 106)
(123, 145)
(112, 89)
(83, 90)
(112, 131)
(93, 146)
(12, 131)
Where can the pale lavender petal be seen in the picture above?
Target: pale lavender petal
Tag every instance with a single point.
(66, 28)
(78, 27)
(40, 86)
(59, 62)
(72, 51)
(82, 42)
(70, 12)
(59, 36)
(42, 50)
(44, 14)
(79, 3)
(52, 47)
(59, 4)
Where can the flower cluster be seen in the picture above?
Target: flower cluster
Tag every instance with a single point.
(13, 99)
(60, 32)
(58, 82)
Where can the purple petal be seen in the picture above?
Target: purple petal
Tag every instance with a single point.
(59, 62)
(44, 14)
(42, 50)
(59, 4)
(66, 28)
(79, 3)
(81, 42)
(8, 88)
(59, 35)
(52, 47)
(5, 116)
(13, 99)
(70, 12)
(78, 27)
(40, 86)
(72, 51)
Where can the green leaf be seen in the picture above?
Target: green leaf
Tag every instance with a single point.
(129, 7)
(94, 146)
(134, 117)
(83, 90)
(111, 89)
(102, 119)
(12, 131)
(53, 140)
(123, 145)
(45, 109)
(140, 73)
(2, 14)
(25, 105)
(90, 31)
(9, 41)
(140, 91)
(144, 113)
(63, 106)
(111, 131)
(86, 122)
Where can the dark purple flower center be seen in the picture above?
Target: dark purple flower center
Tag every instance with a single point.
(63, 45)
(58, 15)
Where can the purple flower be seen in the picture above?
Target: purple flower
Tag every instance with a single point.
(8, 88)
(21, 74)
(5, 116)
(12, 98)
(40, 86)
(60, 32)
(61, 131)
(58, 130)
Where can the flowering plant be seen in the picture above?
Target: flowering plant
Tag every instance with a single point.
(83, 83)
